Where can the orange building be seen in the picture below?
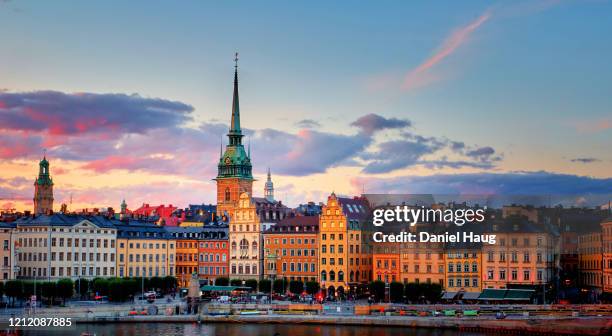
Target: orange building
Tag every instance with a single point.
(213, 259)
(345, 256)
(590, 258)
(186, 260)
(291, 249)
(606, 241)
(386, 261)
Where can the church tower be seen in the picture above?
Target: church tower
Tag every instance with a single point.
(269, 188)
(43, 189)
(234, 169)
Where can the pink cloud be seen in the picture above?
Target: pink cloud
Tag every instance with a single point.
(594, 126)
(422, 75)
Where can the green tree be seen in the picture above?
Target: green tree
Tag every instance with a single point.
(222, 281)
(100, 286)
(312, 287)
(170, 284)
(1, 288)
(48, 290)
(236, 282)
(377, 288)
(82, 286)
(265, 285)
(13, 289)
(156, 283)
(432, 292)
(65, 289)
(251, 283)
(118, 290)
(296, 287)
(413, 291)
(396, 291)
(280, 286)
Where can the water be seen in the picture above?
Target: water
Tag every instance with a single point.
(237, 329)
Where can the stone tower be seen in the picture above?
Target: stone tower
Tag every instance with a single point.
(269, 188)
(234, 169)
(43, 189)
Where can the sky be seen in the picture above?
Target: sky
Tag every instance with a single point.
(132, 100)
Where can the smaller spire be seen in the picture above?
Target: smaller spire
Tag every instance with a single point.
(249, 152)
(269, 176)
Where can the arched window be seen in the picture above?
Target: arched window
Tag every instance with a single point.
(254, 245)
(352, 276)
(323, 276)
(227, 194)
(233, 246)
(239, 269)
(254, 268)
(244, 247)
(340, 276)
(332, 276)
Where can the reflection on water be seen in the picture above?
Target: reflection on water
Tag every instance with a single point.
(235, 329)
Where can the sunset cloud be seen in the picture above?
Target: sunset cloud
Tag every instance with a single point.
(423, 75)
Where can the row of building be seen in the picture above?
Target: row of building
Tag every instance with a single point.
(247, 237)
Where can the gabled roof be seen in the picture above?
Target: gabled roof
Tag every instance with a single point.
(59, 219)
(356, 208)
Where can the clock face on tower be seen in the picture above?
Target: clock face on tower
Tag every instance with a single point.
(228, 161)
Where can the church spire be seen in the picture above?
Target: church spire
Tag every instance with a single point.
(235, 133)
(269, 188)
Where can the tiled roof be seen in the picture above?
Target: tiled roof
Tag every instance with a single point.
(355, 208)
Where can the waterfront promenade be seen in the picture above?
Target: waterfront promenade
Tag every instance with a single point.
(521, 319)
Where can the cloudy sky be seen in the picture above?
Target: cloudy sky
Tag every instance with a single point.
(132, 100)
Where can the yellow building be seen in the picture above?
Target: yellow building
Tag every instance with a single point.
(345, 257)
(590, 261)
(144, 250)
(7, 260)
(522, 256)
(606, 240)
(245, 239)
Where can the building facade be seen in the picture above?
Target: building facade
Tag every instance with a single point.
(606, 242)
(345, 256)
(590, 256)
(291, 249)
(65, 246)
(245, 241)
(145, 250)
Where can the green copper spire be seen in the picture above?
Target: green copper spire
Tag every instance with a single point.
(44, 176)
(235, 133)
(235, 162)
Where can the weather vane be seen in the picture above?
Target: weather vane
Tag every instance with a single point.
(236, 60)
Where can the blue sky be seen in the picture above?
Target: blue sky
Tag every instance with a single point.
(529, 79)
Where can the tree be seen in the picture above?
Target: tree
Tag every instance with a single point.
(83, 287)
(48, 290)
(396, 291)
(280, 286)
(413, 291)
(236, 282)
(296, 287)
(221, 281)
(170, 284)
(65, 289)
(377, 288)
(432, 292)
(265, 285)
(312, 287)
(117, 290)
(100, 286)
(13, 289)
(156, 283)
(1, 288)
(251, 283)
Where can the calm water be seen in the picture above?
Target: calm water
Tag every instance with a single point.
(234, 329)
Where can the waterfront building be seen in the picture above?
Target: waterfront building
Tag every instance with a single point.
(187, 244)
(345, 257)
(61, 246)
(213, 252)
(197, 215)
(422, 262)
(144, 250)
(463, 262)
(606, 242)
(523, 256)
(7, 253)
(291, 249)
(246, 258)
(386, 261)
(590, 255)
(43, 189)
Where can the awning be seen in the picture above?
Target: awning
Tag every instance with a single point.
(470, 295)
(449, 295)
(519, 294)
(492, 294)
(209, 288)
